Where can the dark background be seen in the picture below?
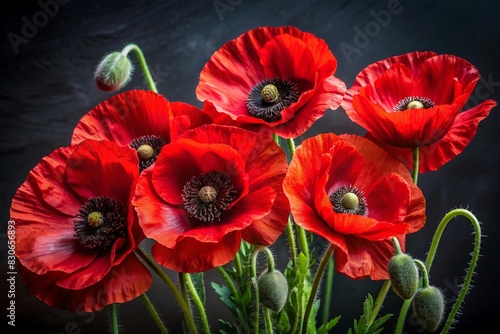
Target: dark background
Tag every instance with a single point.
(46, 86)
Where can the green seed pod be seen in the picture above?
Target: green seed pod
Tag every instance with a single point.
(428, 307)
(404, 275)
(273, 290)
(113, 72)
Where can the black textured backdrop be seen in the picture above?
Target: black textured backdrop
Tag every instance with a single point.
(46, 86)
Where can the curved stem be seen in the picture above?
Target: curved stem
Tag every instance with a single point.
(253, 275)
(430, 258)
(114, 318)
(472, 264)
(228, 280)
(424, 275)
(154, 314)
(415, 164)
(142, 63)
(197, 302)
(315, 286)
(178, 296)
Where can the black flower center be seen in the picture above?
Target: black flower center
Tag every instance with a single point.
(267, 99)
(100, 222)
(414, 102)
(207, 196)
(148, 148)
(348, 199)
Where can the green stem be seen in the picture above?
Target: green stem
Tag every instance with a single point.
(228, 280)
(315, 286)
(114, 318)
(184, 291)
(267, 321)
(402, 316)
(415, 164)
(472, 265)
(237, 264)
(142, 63)
(430, 258)
(256, 319)
(379, 301)
(328, 290)
(424, 273)
(197, 302)
(302, 239)
(291, 242)
(291, 146)
(154, 314)
(177, 295)
(253, 275)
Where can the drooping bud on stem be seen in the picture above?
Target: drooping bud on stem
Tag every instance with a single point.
(403, 273)
(273, 290)
(428, 307)
(113, 72)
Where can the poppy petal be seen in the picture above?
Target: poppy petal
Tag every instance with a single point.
(192, 256)
(124, 117)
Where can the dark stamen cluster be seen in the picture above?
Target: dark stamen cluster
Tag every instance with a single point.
(271, 111)
(198, 205)
(103, 235)
(156, 142)
(403, 104)
(337, 196)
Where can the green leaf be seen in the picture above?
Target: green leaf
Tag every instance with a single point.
(199, 285)
(227, 328)
(361, 326)
(323, 329)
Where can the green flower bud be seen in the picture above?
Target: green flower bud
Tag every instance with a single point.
(113, 72)
(404, 275)
(428, 307)
(273, 290)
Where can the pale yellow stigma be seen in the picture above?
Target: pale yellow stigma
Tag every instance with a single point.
(207, 194)
(415, 104)
(350, 201)
(95, 219)
(145, 152)
(270, 93)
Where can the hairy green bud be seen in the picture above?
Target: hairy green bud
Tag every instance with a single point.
(404, 275)
(273, 290)
(428, 307)
(113, 72)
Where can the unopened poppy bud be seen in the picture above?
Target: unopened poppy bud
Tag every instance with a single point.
(273, 290)
(404, 275)
(428, 307)
(113, 72)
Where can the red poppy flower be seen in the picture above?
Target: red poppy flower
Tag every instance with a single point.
(414, 100)
(260, 78)
(76, 229)
(141, 119)
(208, 190)
(349, 191)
